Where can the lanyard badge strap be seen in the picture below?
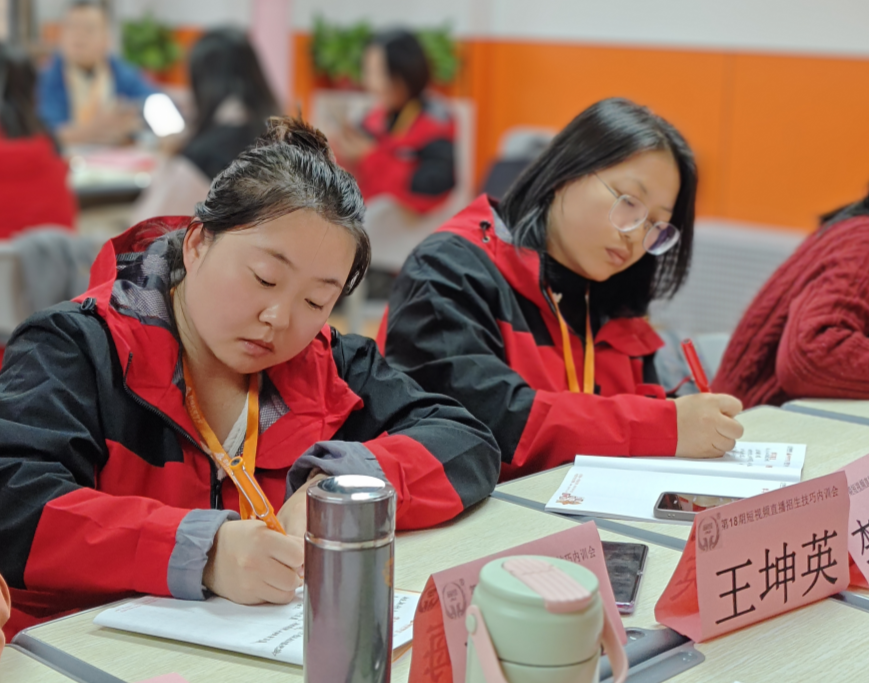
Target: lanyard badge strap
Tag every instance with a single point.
(569, 364)
(252, 501)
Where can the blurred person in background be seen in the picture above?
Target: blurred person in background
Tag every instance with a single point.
(33, 177)
(86, 94)
(405, 145)
(531, 312)
(233, 101)
(806, 334)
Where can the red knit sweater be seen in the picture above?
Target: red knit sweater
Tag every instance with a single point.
(806, 334)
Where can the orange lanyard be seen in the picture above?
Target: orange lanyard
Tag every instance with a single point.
(588, 361)
(406, 117)
(252, 501)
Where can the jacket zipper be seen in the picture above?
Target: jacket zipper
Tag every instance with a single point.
(216, 503)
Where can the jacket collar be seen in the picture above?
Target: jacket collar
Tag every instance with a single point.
(302, 401)
(480, 224)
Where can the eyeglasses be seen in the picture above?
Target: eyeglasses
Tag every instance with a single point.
(629, 213)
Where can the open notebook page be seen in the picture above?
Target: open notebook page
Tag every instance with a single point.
(267, 631)
(758, 461)
(626, 494)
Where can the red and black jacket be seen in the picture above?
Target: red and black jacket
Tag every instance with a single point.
(468, 318)
(415, 165)
(100, 464)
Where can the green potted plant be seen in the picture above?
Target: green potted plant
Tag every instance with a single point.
(337, 52)
(440, 48)
(149, 45)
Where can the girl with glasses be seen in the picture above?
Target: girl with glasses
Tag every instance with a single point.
(531, 312)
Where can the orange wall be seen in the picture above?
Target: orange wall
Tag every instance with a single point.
(779, 139)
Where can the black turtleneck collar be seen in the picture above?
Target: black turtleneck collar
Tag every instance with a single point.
(572, 288)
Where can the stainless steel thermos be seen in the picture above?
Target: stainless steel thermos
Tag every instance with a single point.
(349, 551)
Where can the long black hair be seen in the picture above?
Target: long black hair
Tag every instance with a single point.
(223, 64)
(18, 118)
(405, 59)
(858, 208)
(290, 168)
(607, 133)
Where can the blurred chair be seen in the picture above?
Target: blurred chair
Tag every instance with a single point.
(394, 230)
(524, 142)
(39, 268)
(730, 263)
(518, 148)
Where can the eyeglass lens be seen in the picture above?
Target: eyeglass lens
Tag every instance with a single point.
(629, 213)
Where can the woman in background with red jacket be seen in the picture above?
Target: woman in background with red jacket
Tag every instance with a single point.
(212, 329)
(33, 177)
(531, 312)
(404, 148)
(806, 334)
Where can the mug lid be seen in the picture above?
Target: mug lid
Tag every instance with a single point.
(555, 585)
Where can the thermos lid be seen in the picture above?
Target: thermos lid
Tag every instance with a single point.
(351, 508)
(528, 625)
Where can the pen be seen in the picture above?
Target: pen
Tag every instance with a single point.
(696, 368)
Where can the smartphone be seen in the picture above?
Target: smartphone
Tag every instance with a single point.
(625, 563)
(684, 506)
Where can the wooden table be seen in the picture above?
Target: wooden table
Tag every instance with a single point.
(491, 527)
(19, 667)
(835, 409)
(824, 640)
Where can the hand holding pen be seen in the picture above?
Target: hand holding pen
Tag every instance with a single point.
(705, 422)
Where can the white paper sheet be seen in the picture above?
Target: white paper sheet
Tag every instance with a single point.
(267, 631)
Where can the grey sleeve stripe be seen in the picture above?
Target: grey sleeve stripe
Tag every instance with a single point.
(193, 540)
(333, 458)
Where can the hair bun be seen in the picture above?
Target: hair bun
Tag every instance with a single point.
(296, 132)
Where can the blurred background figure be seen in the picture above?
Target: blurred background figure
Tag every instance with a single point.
(404, 147)
(403, 154)
(86, 94)
(232, 102)
(33, 187)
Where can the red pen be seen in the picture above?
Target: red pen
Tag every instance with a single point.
(696, 369)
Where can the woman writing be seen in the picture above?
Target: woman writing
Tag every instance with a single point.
(204, 342)
(530, 312)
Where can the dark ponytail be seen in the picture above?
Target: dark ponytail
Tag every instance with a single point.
(289, 168)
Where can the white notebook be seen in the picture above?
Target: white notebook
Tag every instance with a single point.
(267, 631)
(628, 488)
